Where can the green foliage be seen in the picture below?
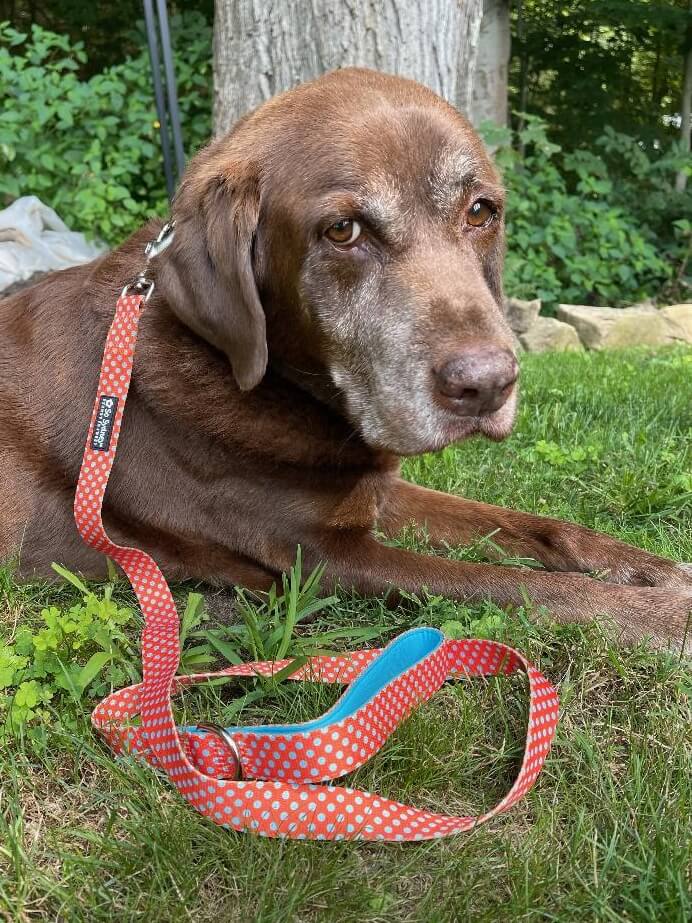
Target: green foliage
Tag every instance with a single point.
(269, 631)
(601, 226)
(490, 625)
(90, 148)
(575, 457)
(75, 654)
(110, 31)
(583, 64)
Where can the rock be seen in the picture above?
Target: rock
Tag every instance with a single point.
(601, 328)
(521, 314)
(679, 317)
(548, 333)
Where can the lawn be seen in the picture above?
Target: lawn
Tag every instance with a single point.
(603, 439)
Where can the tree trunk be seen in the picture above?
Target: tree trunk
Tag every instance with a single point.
(686, 107)
(262, 48)
(524, 65)
(489, 86)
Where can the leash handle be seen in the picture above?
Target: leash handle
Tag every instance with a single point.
(282, 794)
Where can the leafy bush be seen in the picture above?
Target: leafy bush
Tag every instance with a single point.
(90, 149)
(592, 227)
(79, 653)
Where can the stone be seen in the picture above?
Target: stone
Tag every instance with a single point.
(679, 317)
(601, 328)
(521, 314)
(547, 333)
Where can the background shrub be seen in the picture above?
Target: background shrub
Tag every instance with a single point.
(601, 225)
(89, 148)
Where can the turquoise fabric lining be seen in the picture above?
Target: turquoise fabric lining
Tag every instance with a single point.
(404, 652)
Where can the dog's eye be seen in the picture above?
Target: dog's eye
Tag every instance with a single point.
(480, 214)
(344, 232)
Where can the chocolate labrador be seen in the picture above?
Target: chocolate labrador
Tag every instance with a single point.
(331, 301)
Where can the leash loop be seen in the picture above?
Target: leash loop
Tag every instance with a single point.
(270, 780)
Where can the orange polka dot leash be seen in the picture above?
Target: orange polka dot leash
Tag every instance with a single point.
(271, 780)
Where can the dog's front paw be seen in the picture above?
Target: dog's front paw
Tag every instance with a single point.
(661, 616)
(686, 572)
(648, 570)
(677, 575)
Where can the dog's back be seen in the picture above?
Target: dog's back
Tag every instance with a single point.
(41, 409)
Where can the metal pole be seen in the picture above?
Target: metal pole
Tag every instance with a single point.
(173, 109)
(166, 104)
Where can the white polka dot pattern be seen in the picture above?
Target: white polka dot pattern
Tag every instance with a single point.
(281, 794)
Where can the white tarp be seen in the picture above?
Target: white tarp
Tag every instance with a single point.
(33, 239)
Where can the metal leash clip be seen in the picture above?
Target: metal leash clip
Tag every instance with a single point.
(141, 285)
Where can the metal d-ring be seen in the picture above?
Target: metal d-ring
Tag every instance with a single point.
(223, 735)
(139, 286)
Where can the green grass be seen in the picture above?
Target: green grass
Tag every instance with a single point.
(604, 835)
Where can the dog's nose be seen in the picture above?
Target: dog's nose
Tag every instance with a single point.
(477, 381)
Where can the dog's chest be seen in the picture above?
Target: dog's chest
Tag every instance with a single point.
(360, 505)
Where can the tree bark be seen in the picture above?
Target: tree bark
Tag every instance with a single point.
(489, 85)
(262, 48)
(686, 106)
(524, 65)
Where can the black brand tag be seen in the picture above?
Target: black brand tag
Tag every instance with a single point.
(103, 428)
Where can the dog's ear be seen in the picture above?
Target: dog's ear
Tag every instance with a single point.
(207, 274)
(493, 265)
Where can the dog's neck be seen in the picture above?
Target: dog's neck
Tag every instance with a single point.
(311, 431)
(317, 383)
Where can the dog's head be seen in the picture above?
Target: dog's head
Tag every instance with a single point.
(354, 227)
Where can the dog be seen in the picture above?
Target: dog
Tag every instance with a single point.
(331, 301)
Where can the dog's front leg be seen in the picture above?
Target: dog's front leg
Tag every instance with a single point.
(559, 546)
(357, 560)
